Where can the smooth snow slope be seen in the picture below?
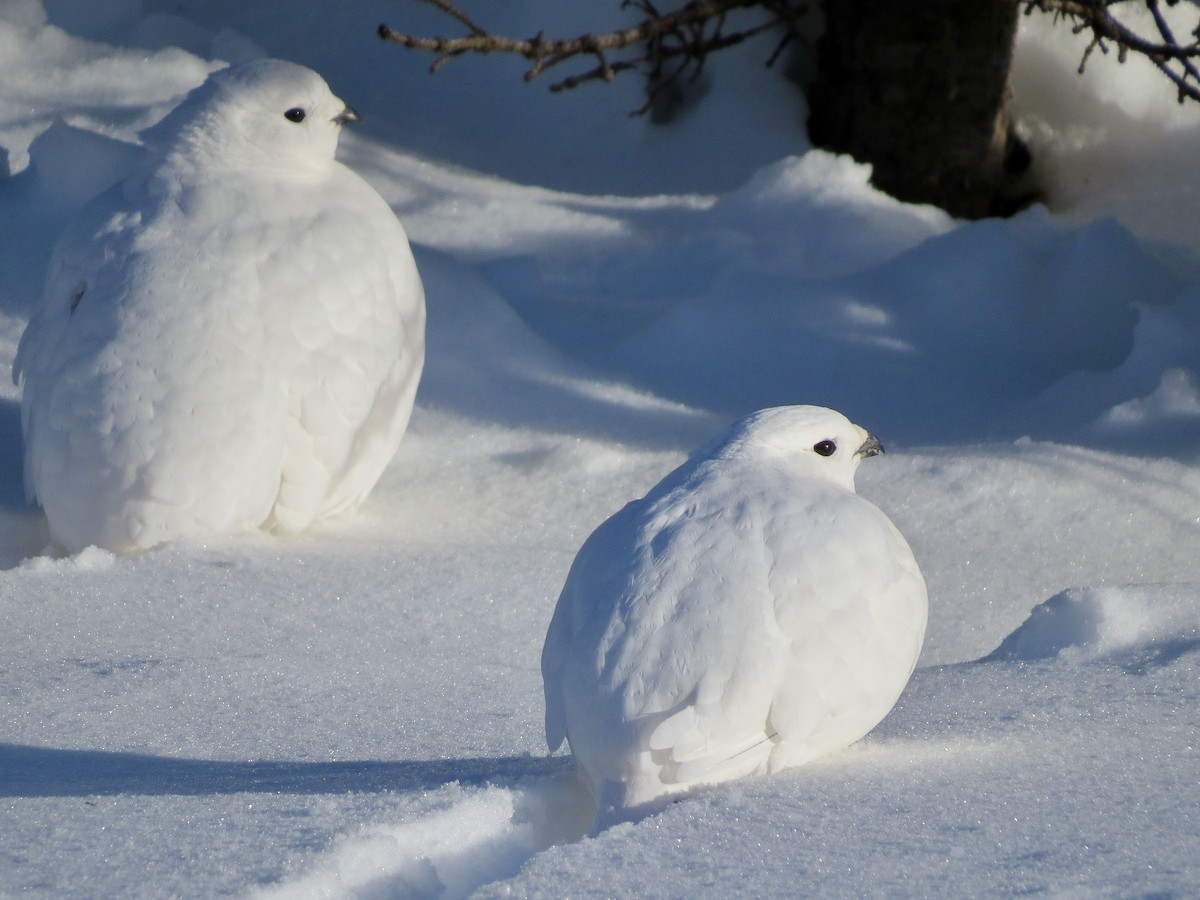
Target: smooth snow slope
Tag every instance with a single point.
(357, 712)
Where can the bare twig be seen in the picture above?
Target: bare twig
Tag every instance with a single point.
(687, 34)
(1175, 60)
(684, 37)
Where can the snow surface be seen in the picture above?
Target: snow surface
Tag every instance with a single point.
(357, 711)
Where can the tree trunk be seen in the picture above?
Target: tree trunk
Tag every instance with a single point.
(919, 89)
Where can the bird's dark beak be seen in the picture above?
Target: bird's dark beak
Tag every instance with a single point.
(870, 447)
(347, 116)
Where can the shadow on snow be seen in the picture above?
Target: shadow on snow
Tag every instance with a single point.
(27, 771)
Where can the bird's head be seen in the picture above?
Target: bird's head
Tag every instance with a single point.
(820, 441)
(263, 113)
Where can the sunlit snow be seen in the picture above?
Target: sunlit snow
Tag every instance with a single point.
(357, 712)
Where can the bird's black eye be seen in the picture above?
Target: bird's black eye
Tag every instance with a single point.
(825, 448)
(295, 114)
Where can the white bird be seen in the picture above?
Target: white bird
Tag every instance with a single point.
(749, 614)
(231, 337)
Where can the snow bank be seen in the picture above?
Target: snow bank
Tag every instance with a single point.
(1114, 141)
(358, 711)
(1159, 622)
(457, 840)
(463, 842)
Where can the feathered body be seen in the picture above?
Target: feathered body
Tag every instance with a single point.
(230, 338)
(750, 613)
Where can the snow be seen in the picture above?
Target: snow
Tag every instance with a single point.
(358, 711)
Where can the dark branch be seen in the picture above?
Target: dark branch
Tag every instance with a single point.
(1175, 60)
(687, 34)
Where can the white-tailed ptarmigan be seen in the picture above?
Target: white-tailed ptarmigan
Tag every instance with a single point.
(750, 613)
(231, 337)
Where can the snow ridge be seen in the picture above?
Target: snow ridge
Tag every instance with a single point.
(465, 839)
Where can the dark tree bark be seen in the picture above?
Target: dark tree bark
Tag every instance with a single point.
(919, 88)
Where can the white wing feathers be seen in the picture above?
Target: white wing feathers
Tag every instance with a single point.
(743, 617)
(229, 339)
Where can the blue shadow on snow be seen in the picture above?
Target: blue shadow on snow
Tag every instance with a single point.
(12, 488)
(50, 772)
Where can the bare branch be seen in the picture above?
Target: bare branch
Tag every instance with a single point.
(1175, 60)
(684, 37)
(687, 34)
(1164, 30)
(451, 9)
